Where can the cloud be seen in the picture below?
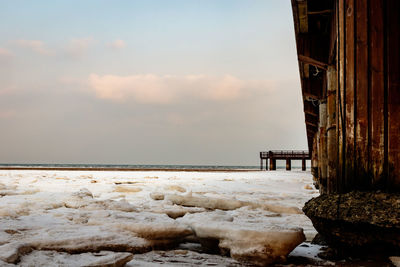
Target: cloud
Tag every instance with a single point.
(79, 47)
(117, 44)
(7, 90)
(34, 45)
(4, 53)
(167, 89)
(7, 114)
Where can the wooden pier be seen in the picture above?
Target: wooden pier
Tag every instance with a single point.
(287, 155)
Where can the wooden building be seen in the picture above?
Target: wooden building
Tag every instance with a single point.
(349, 57)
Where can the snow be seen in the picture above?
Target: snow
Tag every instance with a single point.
(94, 218)
(395, 260)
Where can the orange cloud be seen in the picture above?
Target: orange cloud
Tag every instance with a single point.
(4, 53)
(7, 114)
(34, 45)
(117, 44)
(167, 89)
(7, 90)
(77, 47)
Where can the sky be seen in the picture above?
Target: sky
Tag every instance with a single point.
(197, 82)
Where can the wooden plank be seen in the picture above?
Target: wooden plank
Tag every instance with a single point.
(315, 46)
(349, 94)
(332, 39)
(310, 109)
(361, 74)
(331, 130)
(340, 94)
(323, 153)
(303, 17)
(295, 16)
(312, 88)
(377, 92)
(393, 83)
(321, 12)
(314, 62)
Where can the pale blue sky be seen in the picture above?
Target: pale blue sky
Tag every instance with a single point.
(148, 82)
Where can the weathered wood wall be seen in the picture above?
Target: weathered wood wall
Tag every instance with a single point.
(369, 120)
(354, 129)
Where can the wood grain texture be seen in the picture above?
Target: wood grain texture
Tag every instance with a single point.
(393, 87)
(377, 92)
(361, 111)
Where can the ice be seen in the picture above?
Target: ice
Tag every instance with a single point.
(258, 242)
(310, 253)
(157, 196)
(175, 188)
(180, 258)
(60, 259)
(225, 204)
(151, 226)
(11, 252)
(127, 189)
(395, 261)
(65, 218)
(205, 202)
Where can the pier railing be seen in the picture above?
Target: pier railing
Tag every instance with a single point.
(287, 155)
(284, 154)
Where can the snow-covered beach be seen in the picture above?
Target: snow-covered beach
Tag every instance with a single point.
(142, 218)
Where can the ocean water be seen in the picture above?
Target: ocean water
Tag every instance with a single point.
(134, 166)
(139, 166)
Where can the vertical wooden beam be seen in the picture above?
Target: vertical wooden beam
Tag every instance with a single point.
(349, 94)
(323, 157)
(288, 164)
(261, 163)
(303, 164)
(272, 164)
(393, 96)
(314, 159)
(361, 97)
(303, 15)
(331, 130)
(376, 54)
(340, 96)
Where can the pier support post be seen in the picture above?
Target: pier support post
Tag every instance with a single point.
(322, 148)
(303, 164)
(266, 164)
(272, 164)
(261, 164)
(331, 130)
(288, 164)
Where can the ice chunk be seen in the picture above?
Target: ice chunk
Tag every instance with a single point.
(205, 202)
(175, 188)
(260, 242)
(82, 193)
(227, 204)
(84, 200)
(56, 259)
(83, 238)
(151, 226)
(180, 258)
(176, 211)
(11, 252)
(395, 261)
(127, 189)
(157, 196)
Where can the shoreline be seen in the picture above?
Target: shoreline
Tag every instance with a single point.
(17, 168)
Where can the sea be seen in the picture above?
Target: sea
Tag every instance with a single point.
(134, 167)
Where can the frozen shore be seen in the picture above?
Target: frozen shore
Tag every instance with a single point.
(93, 218)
